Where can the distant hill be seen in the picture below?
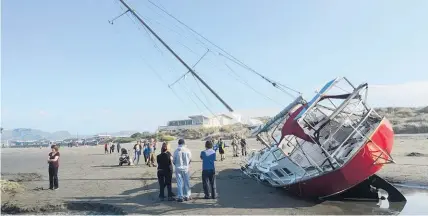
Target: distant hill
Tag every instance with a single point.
(123, 133)
(33, 134)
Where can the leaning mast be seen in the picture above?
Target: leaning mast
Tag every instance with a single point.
(175, 54)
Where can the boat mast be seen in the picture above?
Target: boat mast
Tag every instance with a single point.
(176, 56)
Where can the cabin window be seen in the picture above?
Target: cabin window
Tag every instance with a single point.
(278, 173)
(278, 154)
(287, 171)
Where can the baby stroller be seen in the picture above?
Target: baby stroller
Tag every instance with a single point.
(124, 157)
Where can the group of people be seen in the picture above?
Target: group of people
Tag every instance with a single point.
(180, 162)
(236, 143)
(148, 148)
(111, 148)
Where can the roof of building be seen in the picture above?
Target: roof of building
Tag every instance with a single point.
(193, 116)
(179, 120)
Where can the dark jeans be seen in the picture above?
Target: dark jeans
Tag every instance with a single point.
(53, 177)
(145, 158)
(208, 181)
(244, 150)
(164, 179)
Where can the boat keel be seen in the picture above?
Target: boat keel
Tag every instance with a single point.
(373, 188)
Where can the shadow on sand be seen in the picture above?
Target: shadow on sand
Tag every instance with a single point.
(116, 166)
(111, 179)
(234, 191)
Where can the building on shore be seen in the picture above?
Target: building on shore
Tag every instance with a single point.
(202, 121)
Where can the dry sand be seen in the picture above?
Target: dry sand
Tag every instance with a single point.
(86, 174)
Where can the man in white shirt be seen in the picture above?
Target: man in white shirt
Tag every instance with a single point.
(181, 160)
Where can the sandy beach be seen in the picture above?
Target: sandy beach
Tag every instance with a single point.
(88, 175)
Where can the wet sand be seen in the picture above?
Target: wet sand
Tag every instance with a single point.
(86, 174)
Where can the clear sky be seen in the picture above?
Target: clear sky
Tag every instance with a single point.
(64, 67)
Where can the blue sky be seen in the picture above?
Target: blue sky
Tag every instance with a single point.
(64, 67)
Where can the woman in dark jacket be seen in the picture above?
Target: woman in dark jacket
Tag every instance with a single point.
(164, 160)
(53, 162)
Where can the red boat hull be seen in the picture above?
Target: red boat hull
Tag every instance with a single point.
(366, 162)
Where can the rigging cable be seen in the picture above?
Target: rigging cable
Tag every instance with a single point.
(241, 80)
(200, 89)
(170, 68)
(202, 102)
(150, 21)
(185, 87)
(170, 15)
(230, 56)
(249, 86)
(197, 82)
(275, 84)
(188, 90)
(188, 95)
(157, 74)
(162, 80)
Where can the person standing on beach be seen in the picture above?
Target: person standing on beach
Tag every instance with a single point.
(151, 154)
(164, 160)
(53, 162)
(208, 170)
(154, 145)
(137, 152)
(221, 149)
(145, 151)
(215, 147)
(105, 148)
(181, 160)
(244, 147)
(235, 146)
(111, 147)
(118, 147)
